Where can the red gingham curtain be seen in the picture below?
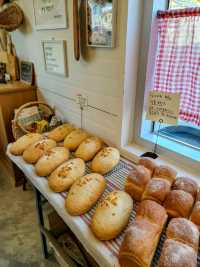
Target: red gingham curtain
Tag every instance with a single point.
(177, 60)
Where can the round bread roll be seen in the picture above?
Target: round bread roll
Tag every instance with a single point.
(105, 160)
(184, 231)
(51, 160)
(88, 148)
(37, 149)
(84, 193)
(165, 172)
(58, 134)
(187, 185)
(112, 215)
(64, 176)
(178, 203)
(148, 163)
(74, 139)
(136, 182)
(18, 147)
(177, 254)
(195, 215)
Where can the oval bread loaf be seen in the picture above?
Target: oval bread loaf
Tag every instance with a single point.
(84, 193)
(88, 148)
(51, 160)
(112, 215)
(74, 139)
(58, 134)
(64, 176)
(37, 149)
(105, 160)
(18, 147)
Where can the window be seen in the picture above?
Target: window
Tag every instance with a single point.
(183, 139)
(177, 4)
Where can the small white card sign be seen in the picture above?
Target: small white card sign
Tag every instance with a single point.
(50, 14)
(163, 107)
(55, 57)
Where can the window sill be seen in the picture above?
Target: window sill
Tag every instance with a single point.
(183, 150)
(134, 151)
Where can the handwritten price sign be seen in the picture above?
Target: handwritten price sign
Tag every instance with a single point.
(163, 107)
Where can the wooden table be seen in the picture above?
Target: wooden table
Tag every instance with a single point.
(12, 96)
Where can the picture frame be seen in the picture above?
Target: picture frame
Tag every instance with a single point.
(50, 14)
(55, 56)
(26, 72)
(101, 23)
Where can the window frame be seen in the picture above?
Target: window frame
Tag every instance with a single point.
(133, 114)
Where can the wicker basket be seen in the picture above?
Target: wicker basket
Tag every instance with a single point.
(19, 129)
(11, 17)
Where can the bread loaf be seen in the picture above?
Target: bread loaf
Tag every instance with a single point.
(152, 211)
(17, 148)
(51, 160)
(136, 182)
(142, 237)
(88, 148)
(165, 172)
(177, 254)
(195, 215)
(178, 203)
(112, 215)
(198, 195)
(37, 149)
(84, 193)
(74, 139)
(181, 246)
(157, 189)
(184, 231)
(139, 244)
(148, 163)
(105, 160)
(187, 185)
(66, 174)
(59, 133)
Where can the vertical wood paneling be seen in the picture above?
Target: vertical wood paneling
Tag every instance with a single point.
(99, 75)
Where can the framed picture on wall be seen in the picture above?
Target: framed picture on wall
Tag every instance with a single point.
(55, 57)
(50, 14)
(101, 22)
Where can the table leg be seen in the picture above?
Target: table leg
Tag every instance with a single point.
(41, 222)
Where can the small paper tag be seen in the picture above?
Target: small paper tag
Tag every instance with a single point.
(163, 107)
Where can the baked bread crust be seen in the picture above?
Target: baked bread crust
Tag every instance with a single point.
(17, 148)
(177, 254)
(105, 160)
(59, 133)
(136, 182)
(195, 215)
(152, 211)
(157, 189)
(89, 148)
(184, 231)
(187, 185)
(84, 193)
(66, 174)
(112, 215)
(74, 139)
(51, 160)
(178, 203)
(165, 172)
(142, 237)
(148, 163)
(37, 149)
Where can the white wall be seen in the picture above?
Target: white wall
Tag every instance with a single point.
(99, 74)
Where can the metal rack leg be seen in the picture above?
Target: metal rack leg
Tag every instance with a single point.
(41, 222)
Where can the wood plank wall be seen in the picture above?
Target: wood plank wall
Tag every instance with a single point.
(99, 75)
